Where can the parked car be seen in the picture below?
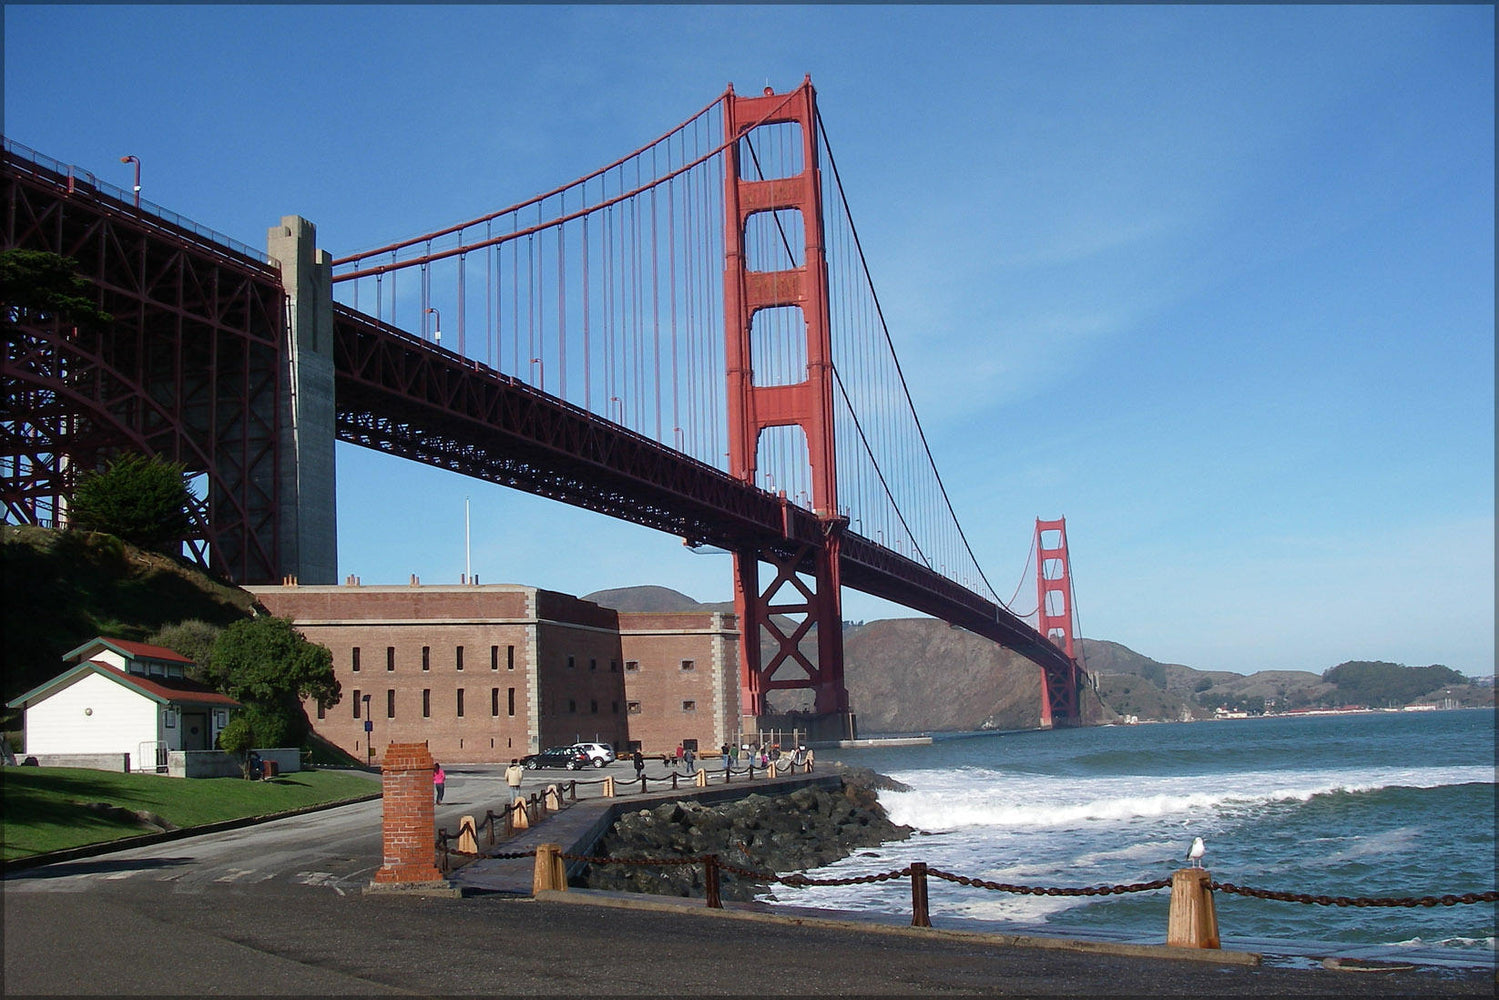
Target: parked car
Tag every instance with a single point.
(569, 757)
(599, 754)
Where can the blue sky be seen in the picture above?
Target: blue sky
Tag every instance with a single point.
(1215, 283)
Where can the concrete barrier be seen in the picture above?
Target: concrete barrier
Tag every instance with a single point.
(91, 761)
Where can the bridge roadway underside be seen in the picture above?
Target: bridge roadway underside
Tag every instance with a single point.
(401, 395)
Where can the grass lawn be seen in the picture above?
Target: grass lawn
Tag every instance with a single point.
(46, 807)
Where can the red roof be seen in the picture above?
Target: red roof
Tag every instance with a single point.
(171, 688)
(148, 651)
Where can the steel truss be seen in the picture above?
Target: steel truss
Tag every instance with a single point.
(189, 369)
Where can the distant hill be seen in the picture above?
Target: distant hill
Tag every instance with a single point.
(62, 588)
(656, 599)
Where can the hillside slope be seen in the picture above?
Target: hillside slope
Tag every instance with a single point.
(62, 588)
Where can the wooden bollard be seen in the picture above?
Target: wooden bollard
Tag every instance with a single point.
(553, 798)
(549, 872)
(920, 915)
(519, 819)
(702, 779)
(468, 836)
(1192, 923)
(608, 786)
(710, 882)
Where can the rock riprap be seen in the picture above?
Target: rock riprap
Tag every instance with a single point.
(807, 828)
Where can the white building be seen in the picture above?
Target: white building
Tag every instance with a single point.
(121, 698)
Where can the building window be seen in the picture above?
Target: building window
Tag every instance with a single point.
(509, 657)
(688, 665)
(390, 704)
(494, 702)
(593, 664)
(631, 666)
(633, 707)
(426, 657)
(689, 706)
(511, 699)
(460, 703)
(170, 717)
(356, 703)
(354, 659)
(572, 706)
(426, 703)
(390, 657)
(458, 657)
(593, 705)
(570, 662)
(614, 666)
(494, 657)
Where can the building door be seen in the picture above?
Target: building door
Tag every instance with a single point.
(195, 731)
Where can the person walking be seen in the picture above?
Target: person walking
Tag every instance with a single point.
(639, 760)
(679, 756)
(439, 780)
(690, 756)
(727, 759)
(514, 774)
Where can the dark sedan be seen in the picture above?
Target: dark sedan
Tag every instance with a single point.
(571, 758)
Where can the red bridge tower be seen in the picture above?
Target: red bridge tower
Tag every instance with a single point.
(1054, 619)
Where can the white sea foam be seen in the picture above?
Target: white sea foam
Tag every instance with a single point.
(970, 797)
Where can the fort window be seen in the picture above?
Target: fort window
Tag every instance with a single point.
(593, 705)
(572, 706)
(354, 659)
(689, 706)
(390, 657)
(460, 703)
(593, 664)
(509, 657)
(458, 657)
(494, 702)
(631, 666)
(511, 698)
(633, 708)
(426, 657)
(688, 665)
(390, 704)
(569, 663)
(614, 666)
(356, 703)
(494, 657)
(426, 703)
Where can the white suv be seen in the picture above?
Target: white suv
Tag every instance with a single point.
(599, 754)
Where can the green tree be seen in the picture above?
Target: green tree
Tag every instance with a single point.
(266, 664)
(39, 287)
(239, 738)
(144, 501)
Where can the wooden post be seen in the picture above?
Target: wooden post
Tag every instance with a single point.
(519, 820)
(468, 836)
(1192, 922)
(710, 881)
(702, 779)
(554, 798)
(549, 872)
(608, 786)
(920, 916)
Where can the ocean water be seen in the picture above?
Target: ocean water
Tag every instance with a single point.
(1385, 804)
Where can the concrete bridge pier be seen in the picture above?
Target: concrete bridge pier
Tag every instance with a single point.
(307, 517)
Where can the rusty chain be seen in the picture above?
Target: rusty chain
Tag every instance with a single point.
(1041, 890)
(1303, 897)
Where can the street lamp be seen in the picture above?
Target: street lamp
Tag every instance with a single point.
(541, 374)
(620, 418)
(369, 729)
(437, 333)
(137, 162)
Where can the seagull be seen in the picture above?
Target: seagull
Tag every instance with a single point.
(1195, 853)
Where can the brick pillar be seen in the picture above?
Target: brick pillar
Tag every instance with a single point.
(410, 820)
